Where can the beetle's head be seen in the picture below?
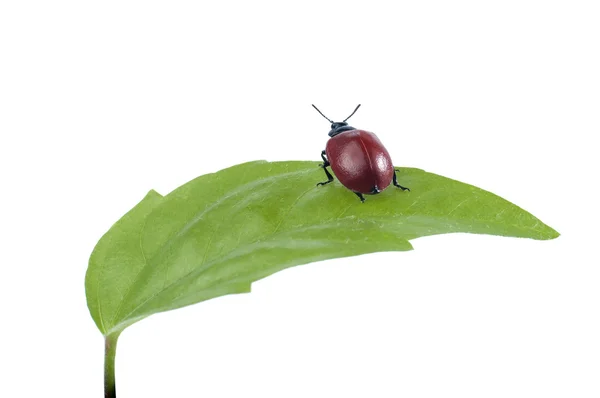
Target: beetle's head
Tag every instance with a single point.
(338, 127)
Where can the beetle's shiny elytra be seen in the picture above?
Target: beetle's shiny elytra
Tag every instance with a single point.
(358, 159)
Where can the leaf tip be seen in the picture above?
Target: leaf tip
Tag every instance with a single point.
(546, 232)
(552, 233)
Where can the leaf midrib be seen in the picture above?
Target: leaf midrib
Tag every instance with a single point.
(240, 249)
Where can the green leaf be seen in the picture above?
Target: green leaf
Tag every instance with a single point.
(220, 232)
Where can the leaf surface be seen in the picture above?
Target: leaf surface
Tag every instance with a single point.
(220, 232)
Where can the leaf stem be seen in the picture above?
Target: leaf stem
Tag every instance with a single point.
(110, 351)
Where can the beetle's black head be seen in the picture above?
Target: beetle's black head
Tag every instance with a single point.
(338, 127)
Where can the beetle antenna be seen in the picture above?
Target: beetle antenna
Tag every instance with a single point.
(330, 121)
(358, 106)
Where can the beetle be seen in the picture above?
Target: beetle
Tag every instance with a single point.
(358, 159)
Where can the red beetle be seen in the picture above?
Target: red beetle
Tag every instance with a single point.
(358, 159)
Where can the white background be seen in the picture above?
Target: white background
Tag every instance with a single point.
(101, 101)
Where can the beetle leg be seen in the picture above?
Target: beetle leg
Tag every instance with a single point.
(326, 162)
(360, 196)
(398, 185)
(327, 173)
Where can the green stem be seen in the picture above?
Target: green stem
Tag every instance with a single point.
(110, 351)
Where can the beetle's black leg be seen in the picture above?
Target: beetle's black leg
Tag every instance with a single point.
(360, 196)
(398, 185)
(329, 176)
(327, 173)
(326, 162)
